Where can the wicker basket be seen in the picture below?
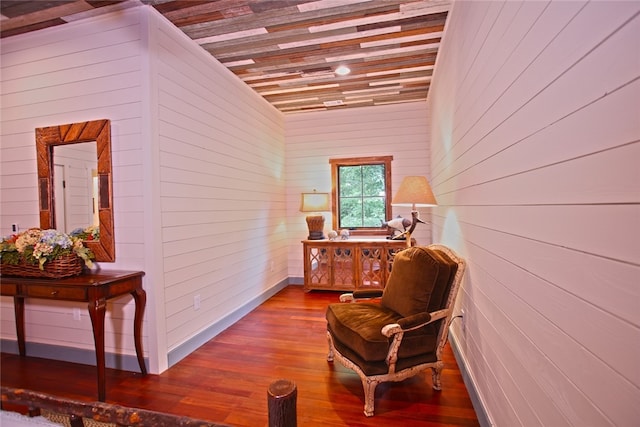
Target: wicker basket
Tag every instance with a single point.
(63, 266)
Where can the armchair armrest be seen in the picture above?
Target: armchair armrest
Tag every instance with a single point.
(367, 293)
(346, 297)
(440, 314)
(361, 294)
(396, 331)
(416, 321)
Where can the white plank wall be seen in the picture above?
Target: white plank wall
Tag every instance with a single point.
(315, 137)
(534, 115)
(83, 71)
(221, 187)
(198, 170)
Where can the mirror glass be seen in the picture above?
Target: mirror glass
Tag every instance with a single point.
(75, 185)
(74, 182)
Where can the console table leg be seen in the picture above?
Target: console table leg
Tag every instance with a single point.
(140, 297)
(97, 311)
(18, 308)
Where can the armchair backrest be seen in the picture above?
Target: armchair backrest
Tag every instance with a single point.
(420, 280)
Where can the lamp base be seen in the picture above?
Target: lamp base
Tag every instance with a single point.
(406, 235)
(316, 227)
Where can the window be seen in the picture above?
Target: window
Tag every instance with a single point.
(361, 189)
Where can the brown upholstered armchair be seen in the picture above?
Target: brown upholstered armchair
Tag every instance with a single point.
(404, 332)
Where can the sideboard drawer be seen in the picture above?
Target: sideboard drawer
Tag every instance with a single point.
(57, 292)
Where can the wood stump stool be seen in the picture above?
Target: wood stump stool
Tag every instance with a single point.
(282, 396)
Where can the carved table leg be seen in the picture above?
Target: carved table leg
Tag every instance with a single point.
(18, 308)
(97, 310)
(140, 297)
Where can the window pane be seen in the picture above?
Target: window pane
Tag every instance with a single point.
(350, 212)
(373, 180)
(373, 212)
(350, 181)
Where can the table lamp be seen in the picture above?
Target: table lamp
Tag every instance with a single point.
(315, 203)
(414, 191)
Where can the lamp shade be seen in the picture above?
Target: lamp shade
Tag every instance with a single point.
(414, 191)
(314, 202)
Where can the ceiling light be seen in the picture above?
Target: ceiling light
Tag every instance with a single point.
(342, 70)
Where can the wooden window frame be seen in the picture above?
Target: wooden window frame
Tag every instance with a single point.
(361, 161)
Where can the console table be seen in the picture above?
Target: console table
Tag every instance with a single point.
(347, 265)
(94, 288)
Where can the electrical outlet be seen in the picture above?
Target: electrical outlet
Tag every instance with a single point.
(76, 314)
(463, 319)
(14, 228)
(196, 302)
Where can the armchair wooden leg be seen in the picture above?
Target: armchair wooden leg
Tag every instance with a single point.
(436, 372)
(330, 354)
(369, 395)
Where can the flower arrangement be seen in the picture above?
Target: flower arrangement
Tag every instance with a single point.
(36, 247)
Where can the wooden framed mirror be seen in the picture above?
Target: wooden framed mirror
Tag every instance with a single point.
(98, 131)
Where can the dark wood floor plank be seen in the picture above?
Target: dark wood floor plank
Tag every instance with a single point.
(226, 379)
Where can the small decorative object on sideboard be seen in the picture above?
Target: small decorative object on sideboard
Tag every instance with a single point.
(333, 234)
(397, 225)
(344, 234)
(43, 253)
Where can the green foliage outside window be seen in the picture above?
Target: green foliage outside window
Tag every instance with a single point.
(361, 191)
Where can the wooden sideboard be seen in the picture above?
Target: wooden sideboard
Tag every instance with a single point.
(94, 288)
(347, 265)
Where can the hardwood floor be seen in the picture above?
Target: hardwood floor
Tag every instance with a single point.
(226, 379)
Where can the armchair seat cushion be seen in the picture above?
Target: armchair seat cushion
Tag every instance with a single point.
(358, 327)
